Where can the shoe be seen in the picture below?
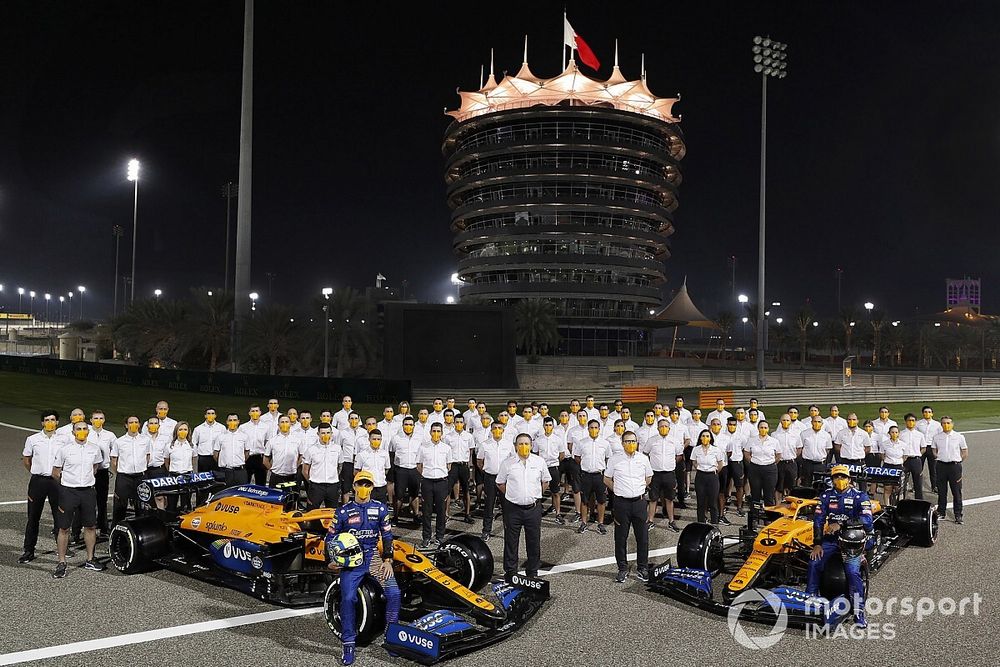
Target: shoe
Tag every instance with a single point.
(650, 525)
(467, 519)
(959, 520)
(724, 521)
(560, 520)
(93, 566)
(348, 658)
(642, 574)
(70, 553)
(426, 544)
(436, 542)
(680, 504)
(601, 529)
(485, 537)
(673, 526)
(582, 529)
(860, 621)
(575, 516)
(26, 557)
(622, 576)
(740, 512)
(60, 570)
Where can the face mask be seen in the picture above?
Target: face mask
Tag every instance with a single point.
(182, 434)
(869, 429)
(210, 419)
(523, 449)
(306, 422)
(512, 410)
(81, 436)
(97, 422)
(947, 427)
(362, 492)
(48, 427)
(292, 417)
(272, 408)
(325, 438)
(840, 483)
(324, 419)
(817, 426)
(497, 433)
(75, 419)
(650, 420)
(435, 437)
(705, 441)
(459, 426)
(663, 430)
(422, 418)
(375, 442)
(763, 430)
(731, 428)
(630, 447)
(619, 430)
(715, 429)
(594, 432)
(233, 424)
(548, 429)
(284, 427)
(161, 412)
(852, 423)
(255, 414)
(408, 429)
(354, 423)
(133, 427)
(153, 428)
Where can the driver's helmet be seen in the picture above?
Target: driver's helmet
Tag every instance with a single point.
(852, 539)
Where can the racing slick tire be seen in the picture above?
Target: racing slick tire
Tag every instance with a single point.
(700, 546)
(369, 612)
(833, 581)
(466, 559)
(135, 543)
(919, 520)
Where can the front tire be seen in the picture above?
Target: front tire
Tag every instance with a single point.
(700, 547)
(466, 559)
(369, 610)
(135, 543)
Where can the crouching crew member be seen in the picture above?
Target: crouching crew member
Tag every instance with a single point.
(367, 520)
(521, 481)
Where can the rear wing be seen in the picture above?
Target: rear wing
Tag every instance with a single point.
(176, 485)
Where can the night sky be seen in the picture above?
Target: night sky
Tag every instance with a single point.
(883, 141)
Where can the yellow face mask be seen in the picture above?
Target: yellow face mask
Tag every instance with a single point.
(947, 427)
(354, 421)
(210, 418)
(293, 416)
(75, 419)
(325, 419)
(619, 429)
(232, 424)
(362, 492)
(663, 430)
(459, 427)
(284, 427)
(325, 437)
(97, 422)
(716, 428)
(161, 412)
(306, 422)
(375, 442)
(731, 428)
(548, 428)
(435, 436)
(408, 428)
(705, 441)
(840, 482)
(594, 431)
(81, 435)
(182, 433)
(650, 420)
(630, 447)
(852, 422)
(255, 414)
(49, 426)
(817, 426)
(133, 427)
(153, 428)
(523, 449)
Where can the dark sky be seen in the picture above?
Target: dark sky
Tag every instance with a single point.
(883, 140)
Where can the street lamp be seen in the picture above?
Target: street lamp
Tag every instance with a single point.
(62, 300)
(20, 293)
(779, 320)
(456, 282)
(769, 61)
(133, 176)
(253, 303)
(48, 297)
(743, 298)
(157, 293)
(81, 289)
(869, 306)
(449, 299)
(32, 304)
(327, 291)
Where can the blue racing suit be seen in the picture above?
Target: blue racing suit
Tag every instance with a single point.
(840, 507)
(367, 522)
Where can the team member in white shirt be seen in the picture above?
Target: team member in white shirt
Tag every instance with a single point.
(892, 456)
(422, 427)
(352, 438)
(404, 410)
(480, 435)
(76, 416)
(530, 423)
(683, 413)
(129, 460)
(627, 475)
(471, 416)
(203, 440)
(281, 453)
(754, 405)
(489, 455)
(462, 445)
(405, 447)
(436, 415)
(388, 426)
(722, 440)
(763, 454)
(167, 423)
(950, 449)
(322, 469)
(514, 419)
(433, 466)
(743, 425)
(807, 420)
(679, 430)
(648, 427)
(665, 453)
(816, 445)
(375, 459)
(593, 412)
(789, 445)
(592, 453)
(38, 456)
(708, 461)
(914, 448)
(257, 433)
(75, 466)
(551, 446)
(873, 457)
(883, 423)
(929, 427)
(521, 481)
(103, 438)
(605, 420)
(796, 426)
(615, 437)
(341, 420)
(159, 448)
(231, 452)
(271, 416)
(719, 412)
(734, 444)
(834, 424)
(180, 460)
(630, 425)
(852, 444)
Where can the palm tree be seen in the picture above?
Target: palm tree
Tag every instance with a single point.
(877, 321)
(353, 336)
(779, 338)
(725, 323)
(830, 331)
(848, 320)
(535, 327)
(271, 334)
(210, 324)
(803, 320)
(153, 331)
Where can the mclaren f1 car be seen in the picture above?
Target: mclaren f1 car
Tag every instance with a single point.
(260, 541)
(772, 553)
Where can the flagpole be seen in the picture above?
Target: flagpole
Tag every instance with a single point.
(564, 39)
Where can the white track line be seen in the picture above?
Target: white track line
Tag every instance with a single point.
(279, 614)
(19, 428)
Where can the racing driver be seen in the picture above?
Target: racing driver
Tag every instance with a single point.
(838, 506)
(367, 520)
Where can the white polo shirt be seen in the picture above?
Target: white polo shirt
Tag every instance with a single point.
(181, 455)
(167, 425)
(232, 446)
(103, 439)
(549, 447)
(524, 478)
(893, 452)
(834, 425)
(852, 444)
(721, 416)
(324, 463)
(461, 444)
(913, 441)
(132, 452)
(492, 453)
(948, 447)
(350, 441)
(731, 444)
(788, 442)
(593, 454)
(663, 452)
(204, 436)
(930, 428)
(406, 448)
(707, 460)
(77, 463)
(375, 461)
(434, 458)
(762, 452)
(42, 450)
(283, 449)
(256, 435)
(342, 418)
(882, 427)
(159, 449)
(628, 474)
(815, 445)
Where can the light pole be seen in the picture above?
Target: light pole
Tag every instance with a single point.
(62, 300)
(457, 283)
(869, 306)
(157, 293)
(840, 274)
(229, 190)
(253, 303)
(81, 289)
(32, 305)
(449, 299)
(20, 293)
(69, 311)
(133, 175)
(327, 291)
(48, 297)
(769, 61)
(744, 299)
(117, 232)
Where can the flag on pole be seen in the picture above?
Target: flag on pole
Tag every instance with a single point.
(574, 41)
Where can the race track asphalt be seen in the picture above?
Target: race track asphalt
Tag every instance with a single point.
(590, 620)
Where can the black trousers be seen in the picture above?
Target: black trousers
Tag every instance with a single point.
(807, 469)
(280, 479)
(914, 467)
(489, 501)
(706, 489)
(516, 518)
(256, 472)
(125, 486)
(631, 513)
(234, 476)
(931, 464)
(762, 479)
(206, 463)
(40, 487)
(949, 475)
(323, 493)
(434, 498)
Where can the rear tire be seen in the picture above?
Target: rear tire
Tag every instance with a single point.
(135, 543)
(919, 520)
(466, 559)
(369, 611)
(700, 546)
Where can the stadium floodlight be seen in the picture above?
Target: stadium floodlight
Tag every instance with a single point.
(81, 289)
(869, 306)
(157, 293)
(132, 175)
(327, 291)
(449, 299)
(743, 298)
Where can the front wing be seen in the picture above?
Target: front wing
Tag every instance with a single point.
(444, 634)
